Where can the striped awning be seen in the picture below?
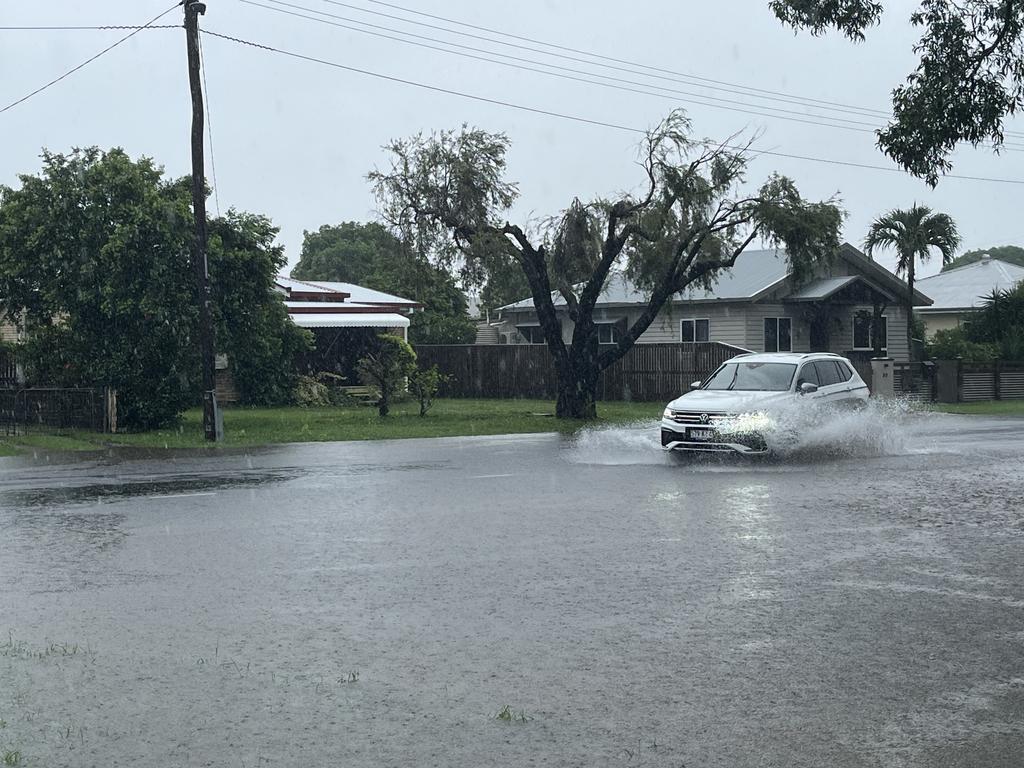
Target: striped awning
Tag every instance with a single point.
(350, 320)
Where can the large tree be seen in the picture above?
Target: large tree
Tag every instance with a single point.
(1009, 253)
(94, 255)
(372, 256)
(912, 234)
(448, 194)
(969, 77)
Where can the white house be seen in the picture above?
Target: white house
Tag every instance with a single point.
(960, 292)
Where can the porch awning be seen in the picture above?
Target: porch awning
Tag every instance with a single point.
(350, 320)
(824, 288)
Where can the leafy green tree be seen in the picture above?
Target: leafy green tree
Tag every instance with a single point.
(264, 347)
(1011, 254)
(506, 284)
(447, 193)
(94, 254)
(349, 252)
(94, 251)
(912, 234)
(371, 256)
(386, 369)
(969, 77)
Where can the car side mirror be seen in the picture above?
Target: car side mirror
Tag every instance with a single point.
(807, 388)
(695, 384)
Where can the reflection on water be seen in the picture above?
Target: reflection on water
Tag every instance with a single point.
(745, 511)
(75, 533)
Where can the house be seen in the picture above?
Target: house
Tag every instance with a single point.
(319, 304)
(958, 293)
(756, 306)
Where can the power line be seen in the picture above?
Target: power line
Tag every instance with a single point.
(840, 123)
(209, 125)
(89, 60)
(743, 107)
(103, 27)
(676, 76)
(565, 116)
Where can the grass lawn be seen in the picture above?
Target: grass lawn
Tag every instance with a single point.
(261, 426)
(986, 408)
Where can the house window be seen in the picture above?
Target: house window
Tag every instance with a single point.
(694, 330)
(862, 338)
(608, 333)
(532, 334)
(778, 334)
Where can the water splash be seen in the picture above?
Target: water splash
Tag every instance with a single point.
(637, 443)
(811, 430)
(799, 431)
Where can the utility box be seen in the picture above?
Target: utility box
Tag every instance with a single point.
(883, 382)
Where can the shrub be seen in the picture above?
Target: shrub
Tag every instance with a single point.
(952, 343)
(423, 385)
(386, 369)
(310, 393)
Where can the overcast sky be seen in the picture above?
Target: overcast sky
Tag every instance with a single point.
(294, 139)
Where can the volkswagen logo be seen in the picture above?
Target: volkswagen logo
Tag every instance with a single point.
(704, 418)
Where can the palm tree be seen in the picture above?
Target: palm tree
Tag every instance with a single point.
(912, 233)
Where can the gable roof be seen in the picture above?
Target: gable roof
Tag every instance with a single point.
(968, 286)
(349, 293)
(754, 274)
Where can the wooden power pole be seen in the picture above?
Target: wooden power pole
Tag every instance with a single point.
(212, 425)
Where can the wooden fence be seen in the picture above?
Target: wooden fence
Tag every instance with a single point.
(648, 372)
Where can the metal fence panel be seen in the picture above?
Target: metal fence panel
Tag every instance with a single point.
(25, 410)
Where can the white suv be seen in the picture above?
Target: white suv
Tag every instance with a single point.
(732, 409)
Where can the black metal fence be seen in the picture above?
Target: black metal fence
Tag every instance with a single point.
(8, 369)
(46, 408)
(647, 372)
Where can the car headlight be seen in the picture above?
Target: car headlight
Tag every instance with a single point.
(749, 422)
(667, 414)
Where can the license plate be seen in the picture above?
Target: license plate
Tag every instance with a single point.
(701, 435)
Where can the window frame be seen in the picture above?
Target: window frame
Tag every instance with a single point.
(764, 332)
(870, 325)
(835, 369)
(531, 328)
(695, 320)
(614, 326)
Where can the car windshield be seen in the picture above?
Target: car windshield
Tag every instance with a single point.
(753, 377)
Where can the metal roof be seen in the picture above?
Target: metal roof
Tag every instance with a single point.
(754, 272)
(817, 290)
(356, 293)
(968, 286)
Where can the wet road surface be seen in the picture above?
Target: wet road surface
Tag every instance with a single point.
(377, 604)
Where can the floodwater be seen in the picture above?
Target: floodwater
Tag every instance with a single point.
(856, 601)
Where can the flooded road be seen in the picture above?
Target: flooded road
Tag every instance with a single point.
(858, 602)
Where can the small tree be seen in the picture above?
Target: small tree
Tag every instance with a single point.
(423, 384)
(386, 369)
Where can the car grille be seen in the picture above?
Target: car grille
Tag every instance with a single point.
(697, 417)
